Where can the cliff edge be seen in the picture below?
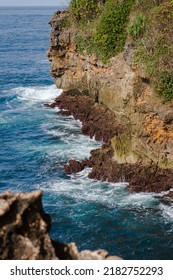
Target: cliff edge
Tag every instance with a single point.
(141, 152)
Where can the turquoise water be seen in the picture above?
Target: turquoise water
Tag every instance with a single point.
(36, 143)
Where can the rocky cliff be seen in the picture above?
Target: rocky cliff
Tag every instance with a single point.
(24, 232)
(142, 152)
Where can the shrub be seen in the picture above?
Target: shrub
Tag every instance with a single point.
(165, 86)
(110, 34)
(84, 43)
(137, 29)
(154, 48)
(106, 35)
(64, 22)
(83, 10)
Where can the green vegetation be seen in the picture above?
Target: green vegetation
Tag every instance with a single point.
(84, 44)
(154, 45)
(64, 23)
(103, 26)
(84, 10)
(165, 86)
(137, 29)
(110, 34)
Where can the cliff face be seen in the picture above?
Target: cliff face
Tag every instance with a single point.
(124, 89)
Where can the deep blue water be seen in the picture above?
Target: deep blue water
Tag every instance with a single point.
(36, 142)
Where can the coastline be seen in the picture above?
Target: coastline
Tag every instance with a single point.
(137, 139)
(93, 213)
(99, 122)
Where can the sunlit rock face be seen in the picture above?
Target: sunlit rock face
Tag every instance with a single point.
(125, 89)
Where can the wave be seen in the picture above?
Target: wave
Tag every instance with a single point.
(38, 93)
(167, 211)
(81, 188)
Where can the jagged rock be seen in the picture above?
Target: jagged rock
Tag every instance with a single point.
(75, 166)
(88, 255)
(97, 120)
(24, 228)
(101, 123)
(169, 196)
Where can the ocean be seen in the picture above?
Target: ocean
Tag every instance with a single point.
(36, 142)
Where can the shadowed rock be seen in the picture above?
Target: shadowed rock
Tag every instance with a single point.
(24, 228)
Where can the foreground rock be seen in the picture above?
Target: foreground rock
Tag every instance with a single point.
(24, 228)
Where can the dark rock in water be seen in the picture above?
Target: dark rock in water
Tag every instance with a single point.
(148, 178)
(101, 123)
(169, 196)
(24, 228)
(140, 178)
(97, 121)
(75, 166)
(52, 105)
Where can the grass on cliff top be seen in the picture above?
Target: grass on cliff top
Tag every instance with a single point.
(102, 26)
(154, 44)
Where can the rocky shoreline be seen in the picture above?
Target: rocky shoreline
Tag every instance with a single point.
(99, 122)
(116, 104)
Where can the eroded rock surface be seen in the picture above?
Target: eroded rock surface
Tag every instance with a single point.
(100, 122)
(138, 127)
(24, 227)
(24, 232)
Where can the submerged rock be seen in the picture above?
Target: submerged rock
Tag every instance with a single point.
(24, 232)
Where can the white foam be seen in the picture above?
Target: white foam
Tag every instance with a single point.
(81, 188)
(38, 93)
(167, 211)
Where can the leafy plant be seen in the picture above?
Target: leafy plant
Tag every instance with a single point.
(165, 86)
(64, 22)
(154, 48)
(110, 34)
(84, 43)
(106, 35)
(137, 29)
(84, 10)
